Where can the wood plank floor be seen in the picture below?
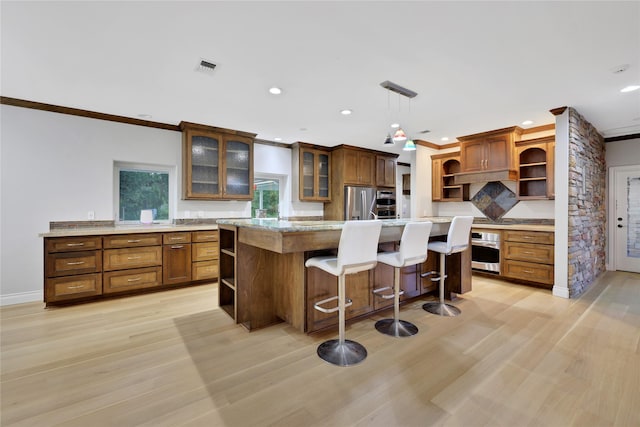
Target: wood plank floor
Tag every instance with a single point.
(515, 357)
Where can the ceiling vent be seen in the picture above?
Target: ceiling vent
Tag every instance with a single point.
(206, 67)
(398, 89)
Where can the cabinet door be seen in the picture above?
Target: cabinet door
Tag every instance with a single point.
(385, 171)
(472, 156)
(350, 169)
(498, 152)
(436, 180)
(238, 168)
(323, 173)
(176, 263)
(307, 175)
(366, 165)
(202, 165)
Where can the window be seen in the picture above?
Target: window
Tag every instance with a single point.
(266, 197)
(139, 187)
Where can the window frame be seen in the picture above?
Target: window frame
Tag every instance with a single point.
(282, 184)
(143, 167)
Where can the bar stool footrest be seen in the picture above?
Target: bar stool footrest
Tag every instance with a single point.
(379, 293)
(318, 305)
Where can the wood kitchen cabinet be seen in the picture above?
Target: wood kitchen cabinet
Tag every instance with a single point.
(132, 262)
(528, 256)
(489, 151)
(385, 171)
(73, 267)
(443, 170)
(313, 165)
(536, 168)
(358, 167)
(204, 255)
(217, 163)
(176, 258)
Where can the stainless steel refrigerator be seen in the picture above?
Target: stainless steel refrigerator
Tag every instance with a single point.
(359, 203)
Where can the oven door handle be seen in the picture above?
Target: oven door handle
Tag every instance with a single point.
(484, 244)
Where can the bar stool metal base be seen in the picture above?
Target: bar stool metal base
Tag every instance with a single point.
(345, 354)
(441, 309)
(396, 328)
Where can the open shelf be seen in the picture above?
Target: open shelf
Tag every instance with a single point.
(228, 268)
(532, 182)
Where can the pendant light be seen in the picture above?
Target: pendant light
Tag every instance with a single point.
(399, 136)
(409, 145)
(389, 141)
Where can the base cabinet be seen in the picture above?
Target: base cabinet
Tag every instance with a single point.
(528, 256)
(90, 267)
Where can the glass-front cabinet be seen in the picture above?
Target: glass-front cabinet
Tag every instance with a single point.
(314, 169)
(217, 163)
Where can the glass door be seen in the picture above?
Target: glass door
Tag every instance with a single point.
(627, 218)
(238, 164)
(205, 173)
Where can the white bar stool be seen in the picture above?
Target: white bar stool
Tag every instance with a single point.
(413, 250)
(357, 251)
(457, 241)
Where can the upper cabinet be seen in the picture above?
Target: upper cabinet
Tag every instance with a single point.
(535, 165)
(358, 166)
(217, 163)
(385, 171)
(491, 153)
(314, 173)
(443, 186)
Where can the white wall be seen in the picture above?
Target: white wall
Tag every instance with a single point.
(623, 153)
(57, 167)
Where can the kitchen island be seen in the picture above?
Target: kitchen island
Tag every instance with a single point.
(263, 279)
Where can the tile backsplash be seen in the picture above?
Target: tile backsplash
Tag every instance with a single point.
(494, 200)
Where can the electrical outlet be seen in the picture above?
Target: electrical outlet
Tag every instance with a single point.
(91, 215)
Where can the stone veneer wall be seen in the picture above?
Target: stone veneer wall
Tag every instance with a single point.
(587, 207)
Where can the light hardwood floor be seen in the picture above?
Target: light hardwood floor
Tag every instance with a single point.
(515, 357)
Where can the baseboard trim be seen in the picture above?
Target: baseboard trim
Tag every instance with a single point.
(560, 292)
(21, 297)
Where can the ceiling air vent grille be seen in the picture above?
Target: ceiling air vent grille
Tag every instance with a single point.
(206, 67)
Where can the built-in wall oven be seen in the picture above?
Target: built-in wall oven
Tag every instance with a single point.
(485, 251)
(385, 204)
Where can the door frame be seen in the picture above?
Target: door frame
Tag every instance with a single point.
(611, 227)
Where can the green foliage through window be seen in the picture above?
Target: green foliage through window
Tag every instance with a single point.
(266, 195)
(143, 190)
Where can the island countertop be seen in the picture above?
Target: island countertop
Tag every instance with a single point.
(300, 236)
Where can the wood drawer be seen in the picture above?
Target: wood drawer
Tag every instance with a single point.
(529, 252)
(171, 238)
(132, 240)
(69, 244)
(127, 280)
(540, 273)
(204, 251)
(63, 288)
(542, 237)
(71, 263)
(204, 236)
(204, 270)
(120, 259)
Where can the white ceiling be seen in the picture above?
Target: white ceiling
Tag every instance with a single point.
(476, 65)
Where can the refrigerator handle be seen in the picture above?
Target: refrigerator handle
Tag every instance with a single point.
(363, 200)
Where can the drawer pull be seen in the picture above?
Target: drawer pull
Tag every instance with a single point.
(134, 241)
(135, 279)
(134, 257)
(527, 237)
(76, 263)
(75, 287)
(177, 247)
(176, 238)
(528, 271)
(71, 245)
(528, 253)
(212, 236)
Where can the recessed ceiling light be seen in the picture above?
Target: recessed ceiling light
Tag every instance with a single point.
(395, 125)
(630, 88)
(444, 138)
(277, 139)
(145, 116)
(346, 112)
(527, 122)
(275, 90)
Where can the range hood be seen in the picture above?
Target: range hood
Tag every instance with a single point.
(485, 176)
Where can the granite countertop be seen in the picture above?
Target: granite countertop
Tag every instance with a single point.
(293, 226)
(127, 229)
